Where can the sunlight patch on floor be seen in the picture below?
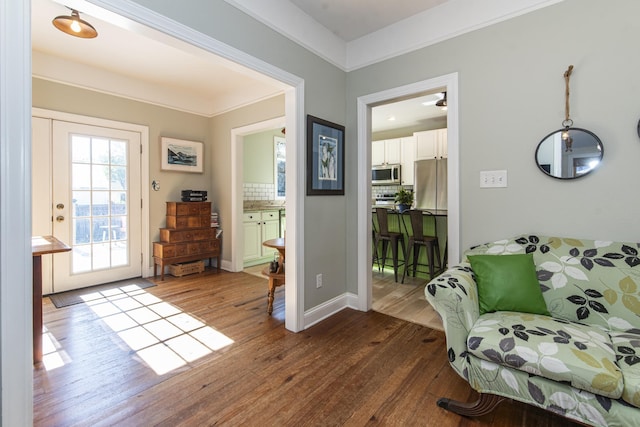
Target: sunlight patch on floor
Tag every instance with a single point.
(53, 356)
(161, 335)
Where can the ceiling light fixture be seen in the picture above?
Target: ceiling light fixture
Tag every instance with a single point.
(442, 103)
(74, 25)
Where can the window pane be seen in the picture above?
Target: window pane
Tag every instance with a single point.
(118, 152)
(100, 203)
(81, 231)
(100, 151)
(81, 258)
(118, 203)
(100, 177)
(118, 178)
(101, 256)
(80, 176)
(119, 254)
(80, 149)
(81, 203)
(100, 228)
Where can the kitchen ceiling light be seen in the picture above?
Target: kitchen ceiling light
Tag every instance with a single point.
(442, 103)
(73, 25)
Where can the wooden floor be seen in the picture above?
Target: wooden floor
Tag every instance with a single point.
(226, 362)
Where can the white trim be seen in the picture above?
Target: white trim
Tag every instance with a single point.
(364, 103)
(327, 309)
(146, 267)
(448, 20)
(16, 295)
(293, 87)
(289, 20)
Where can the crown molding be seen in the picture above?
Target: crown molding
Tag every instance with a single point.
(448, 20)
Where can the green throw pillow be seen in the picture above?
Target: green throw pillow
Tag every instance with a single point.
(508, 283)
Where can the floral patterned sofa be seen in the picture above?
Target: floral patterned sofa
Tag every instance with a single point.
(582, 361)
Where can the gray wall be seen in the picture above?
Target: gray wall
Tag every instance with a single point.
(511, 94)
(325, 86)
(258, 153)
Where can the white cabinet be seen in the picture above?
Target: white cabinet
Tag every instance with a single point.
(431, 144)
(386, 151)
(377, 153)
(259, 226)
(407, 159)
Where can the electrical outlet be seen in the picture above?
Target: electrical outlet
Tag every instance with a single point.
(493, 179)
(319, 280)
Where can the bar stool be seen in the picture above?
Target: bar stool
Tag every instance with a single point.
(375, 259)
(417, 239)
(386, 236)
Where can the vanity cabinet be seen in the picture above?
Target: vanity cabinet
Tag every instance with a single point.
(259, 226)
(431, 144)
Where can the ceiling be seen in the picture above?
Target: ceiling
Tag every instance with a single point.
(352, 19)
(130, 60)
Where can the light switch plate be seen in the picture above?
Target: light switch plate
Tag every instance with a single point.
(493, 179)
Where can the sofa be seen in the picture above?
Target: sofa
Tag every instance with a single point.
(578, 355)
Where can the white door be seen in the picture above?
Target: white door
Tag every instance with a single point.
(96, 204)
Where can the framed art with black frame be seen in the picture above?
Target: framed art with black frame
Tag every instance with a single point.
(325, 158)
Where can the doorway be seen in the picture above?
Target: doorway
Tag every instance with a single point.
(365, 103)
(89, 175)
(411, 133)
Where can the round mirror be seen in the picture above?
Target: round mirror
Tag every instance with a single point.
(569, 153)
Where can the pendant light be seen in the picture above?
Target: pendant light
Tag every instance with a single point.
(74, 25)
(442, 103)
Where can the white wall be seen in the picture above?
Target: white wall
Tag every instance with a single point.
(511, 95)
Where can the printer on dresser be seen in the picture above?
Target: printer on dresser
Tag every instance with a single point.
(188, 236)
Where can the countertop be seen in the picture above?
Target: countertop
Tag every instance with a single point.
(263, 205)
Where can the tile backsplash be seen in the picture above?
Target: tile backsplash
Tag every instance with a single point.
(378, 190)
(258, 191)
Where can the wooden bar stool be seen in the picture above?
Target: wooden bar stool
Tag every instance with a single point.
(389, 237)
(417, 240)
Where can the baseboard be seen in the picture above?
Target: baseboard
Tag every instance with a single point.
(329, 308)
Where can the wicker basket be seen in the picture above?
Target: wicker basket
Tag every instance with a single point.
(179, 270)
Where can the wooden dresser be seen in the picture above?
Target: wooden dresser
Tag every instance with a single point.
(187, 237)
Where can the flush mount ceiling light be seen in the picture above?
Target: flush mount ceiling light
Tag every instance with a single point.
(73, 25)
(442, 103)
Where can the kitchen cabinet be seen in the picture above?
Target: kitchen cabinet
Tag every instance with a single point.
(386, 151)
(407, 159)
(259, 226)
(431, 144)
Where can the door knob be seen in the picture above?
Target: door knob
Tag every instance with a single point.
(59, 218)
(60, 206)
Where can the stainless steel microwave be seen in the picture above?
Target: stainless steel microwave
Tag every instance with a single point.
(385, 175)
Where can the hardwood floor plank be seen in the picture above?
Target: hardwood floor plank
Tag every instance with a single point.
(351, 369)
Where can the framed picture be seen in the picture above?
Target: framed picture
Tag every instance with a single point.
(181, 155)
(325, 157)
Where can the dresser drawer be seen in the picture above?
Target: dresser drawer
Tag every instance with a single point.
(188, 208)
(191, 221)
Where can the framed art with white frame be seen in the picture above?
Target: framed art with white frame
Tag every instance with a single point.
(182, 155)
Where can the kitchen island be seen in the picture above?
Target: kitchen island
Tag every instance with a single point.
(435, 224)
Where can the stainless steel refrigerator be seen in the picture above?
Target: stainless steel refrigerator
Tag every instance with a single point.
(430, 184)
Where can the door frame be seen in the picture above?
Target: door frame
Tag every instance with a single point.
(16, 368)
(364, 105)
(237, 169)
(144, 167)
